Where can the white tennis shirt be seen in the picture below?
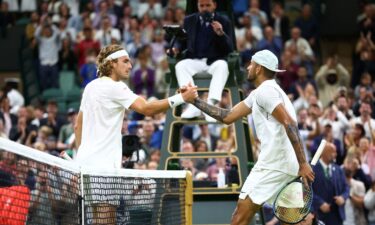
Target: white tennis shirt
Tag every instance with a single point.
(103, 106)
(276, 151)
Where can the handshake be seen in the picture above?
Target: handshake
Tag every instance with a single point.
(189, 92)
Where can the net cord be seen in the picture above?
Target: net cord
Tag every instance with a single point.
(36, 155)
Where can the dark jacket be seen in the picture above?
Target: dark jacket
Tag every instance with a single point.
(218, 46)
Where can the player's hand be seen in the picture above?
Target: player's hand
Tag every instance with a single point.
(339, 200)
(306, 173)
(325, 207)
(190, 94)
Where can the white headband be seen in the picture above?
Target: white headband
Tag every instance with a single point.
(118, 54)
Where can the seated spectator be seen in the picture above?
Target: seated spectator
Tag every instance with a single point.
(67, 57)
(16, 99)
(280, 22)
(88, 70)
(104, 12)
(301, 83)
(66, 137)
(365, 119)
(152, 7)
(308, 25)
(212, 30)
(258, 17)
(87, 43)
(107, 33)
(303, 49)
(270, 42)
(143, 78)
(289, 76)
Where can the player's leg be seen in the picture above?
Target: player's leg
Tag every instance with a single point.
(104, 214)
(244, 211)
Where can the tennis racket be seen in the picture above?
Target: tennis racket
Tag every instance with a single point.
(293, 202)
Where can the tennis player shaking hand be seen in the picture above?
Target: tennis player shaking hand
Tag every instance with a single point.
(281, 157)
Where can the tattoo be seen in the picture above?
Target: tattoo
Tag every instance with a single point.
(295, 138)
(213, 111)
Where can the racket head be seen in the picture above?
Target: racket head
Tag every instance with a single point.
(293, 202)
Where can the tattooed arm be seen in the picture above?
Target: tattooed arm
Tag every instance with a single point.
(291, 128)
(226, 116)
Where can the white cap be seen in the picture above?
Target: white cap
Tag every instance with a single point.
(267, 59)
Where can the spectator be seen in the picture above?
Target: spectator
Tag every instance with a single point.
(354, 205)
(329, 78)
(303, 49)
(270, 42)
(66, 32)
(161, 86)
(152, 7)
(104, 12)
(16, 100)
(87, 43)
(6, 18)
(369, 202)
(53, 121)
(10, 120)
(205, 135)
(368, 155)
(67, 57)
(208, 54)
(301, 83)
(308, 26)
(107, 33)
(365, 82)
(366, 120)
(32, 25)
(48, 39)
(88, 71)
(258, 17)
(66, 137)
(289, 76)
(143, 78)
(280, 22)
(330, 188)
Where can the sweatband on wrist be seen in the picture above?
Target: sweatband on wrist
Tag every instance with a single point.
(175, 100)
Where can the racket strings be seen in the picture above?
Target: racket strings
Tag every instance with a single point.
(287, 210)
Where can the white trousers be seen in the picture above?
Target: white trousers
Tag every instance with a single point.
(187, 68)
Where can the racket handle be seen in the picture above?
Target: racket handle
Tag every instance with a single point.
(318, 152)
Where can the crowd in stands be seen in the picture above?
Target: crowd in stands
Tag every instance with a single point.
(332, 101)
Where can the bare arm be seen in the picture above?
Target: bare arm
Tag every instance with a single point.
(223, 115)
(140, 105)
(78, 129)
(291, 128)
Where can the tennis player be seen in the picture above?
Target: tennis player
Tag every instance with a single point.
(99, 121)
(281, 157)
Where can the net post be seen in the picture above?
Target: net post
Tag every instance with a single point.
(189, 198)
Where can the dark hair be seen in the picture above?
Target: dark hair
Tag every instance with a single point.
(269, 73)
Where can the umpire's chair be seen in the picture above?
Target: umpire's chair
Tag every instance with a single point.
(208, 199)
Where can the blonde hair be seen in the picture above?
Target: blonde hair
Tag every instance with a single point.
(105, 66)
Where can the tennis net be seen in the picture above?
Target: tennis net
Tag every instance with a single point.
(38, 188)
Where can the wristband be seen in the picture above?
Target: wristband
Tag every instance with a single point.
(175, 100)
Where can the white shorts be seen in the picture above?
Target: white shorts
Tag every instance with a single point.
(263, 185)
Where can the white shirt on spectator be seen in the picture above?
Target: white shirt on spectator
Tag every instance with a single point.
(103, 106)
(156, 12)
(303, 46)
(16, 100)
(357, 188)
(105, 37)
(276, 151)
(48, 46)
(365, 125)
(28, 5)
